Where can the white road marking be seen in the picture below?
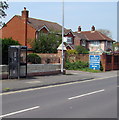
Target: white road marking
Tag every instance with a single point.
(33, 82)
(51, 86)
(21, 111)
(75, 73)
(86, 94)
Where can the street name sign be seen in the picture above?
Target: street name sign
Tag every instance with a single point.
(94, 62)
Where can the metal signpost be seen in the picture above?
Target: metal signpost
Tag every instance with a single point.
(94, 62)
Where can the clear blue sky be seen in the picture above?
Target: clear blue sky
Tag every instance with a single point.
(103, 15)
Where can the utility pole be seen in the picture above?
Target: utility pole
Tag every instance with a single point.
(62, 64)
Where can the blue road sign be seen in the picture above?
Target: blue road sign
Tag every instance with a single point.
(94, 62)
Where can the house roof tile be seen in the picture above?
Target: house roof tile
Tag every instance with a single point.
(95, 35)
(80, 35)
(52, 26)
(37, 24)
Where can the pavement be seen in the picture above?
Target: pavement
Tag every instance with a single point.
(40, 81)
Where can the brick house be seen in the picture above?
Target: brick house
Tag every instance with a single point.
(25, 29)
(93, 40)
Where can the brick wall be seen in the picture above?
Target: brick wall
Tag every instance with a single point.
(49, 58)
(76, 41)
(52, 58)
(56, 58)
(79, 57)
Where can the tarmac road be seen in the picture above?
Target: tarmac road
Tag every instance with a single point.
(83, 99)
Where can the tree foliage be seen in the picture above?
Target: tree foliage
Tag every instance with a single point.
(47, 43)
(105, 32)
(3, 7)
(5, 44)
(115, 46)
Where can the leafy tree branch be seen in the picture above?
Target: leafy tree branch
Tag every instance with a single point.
(3, 7)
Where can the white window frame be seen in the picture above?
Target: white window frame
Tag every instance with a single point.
(66, 40)
(106, 43)
(94, 43)
(110, 44)
(83, 43)
(70, 40)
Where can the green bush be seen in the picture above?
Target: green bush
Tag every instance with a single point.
(5, 44)
(72, 52)
(76, 65)
(80, 65)
(33, 58)
(81, 50)
(90, 70)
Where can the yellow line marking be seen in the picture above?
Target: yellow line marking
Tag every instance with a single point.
(51, 86)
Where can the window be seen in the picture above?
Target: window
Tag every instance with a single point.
(110, 44)
(83, 43)
(95, 43)
(106, 43)
(68, 40)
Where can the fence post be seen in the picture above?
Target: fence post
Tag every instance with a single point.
(103, 60)
(112, 62)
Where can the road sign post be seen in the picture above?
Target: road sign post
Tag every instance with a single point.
(94, 62)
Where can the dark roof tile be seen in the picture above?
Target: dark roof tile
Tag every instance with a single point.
(52, 26)
(95, 35)
(80, 35)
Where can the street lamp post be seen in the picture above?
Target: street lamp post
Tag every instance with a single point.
(62, 64)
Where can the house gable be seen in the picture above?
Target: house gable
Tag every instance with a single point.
(14, 29)
(44, 29)
(69, 47)
(69, 34)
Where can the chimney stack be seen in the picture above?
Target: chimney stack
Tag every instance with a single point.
(93, 28)
(25, 14)
(79, 28)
